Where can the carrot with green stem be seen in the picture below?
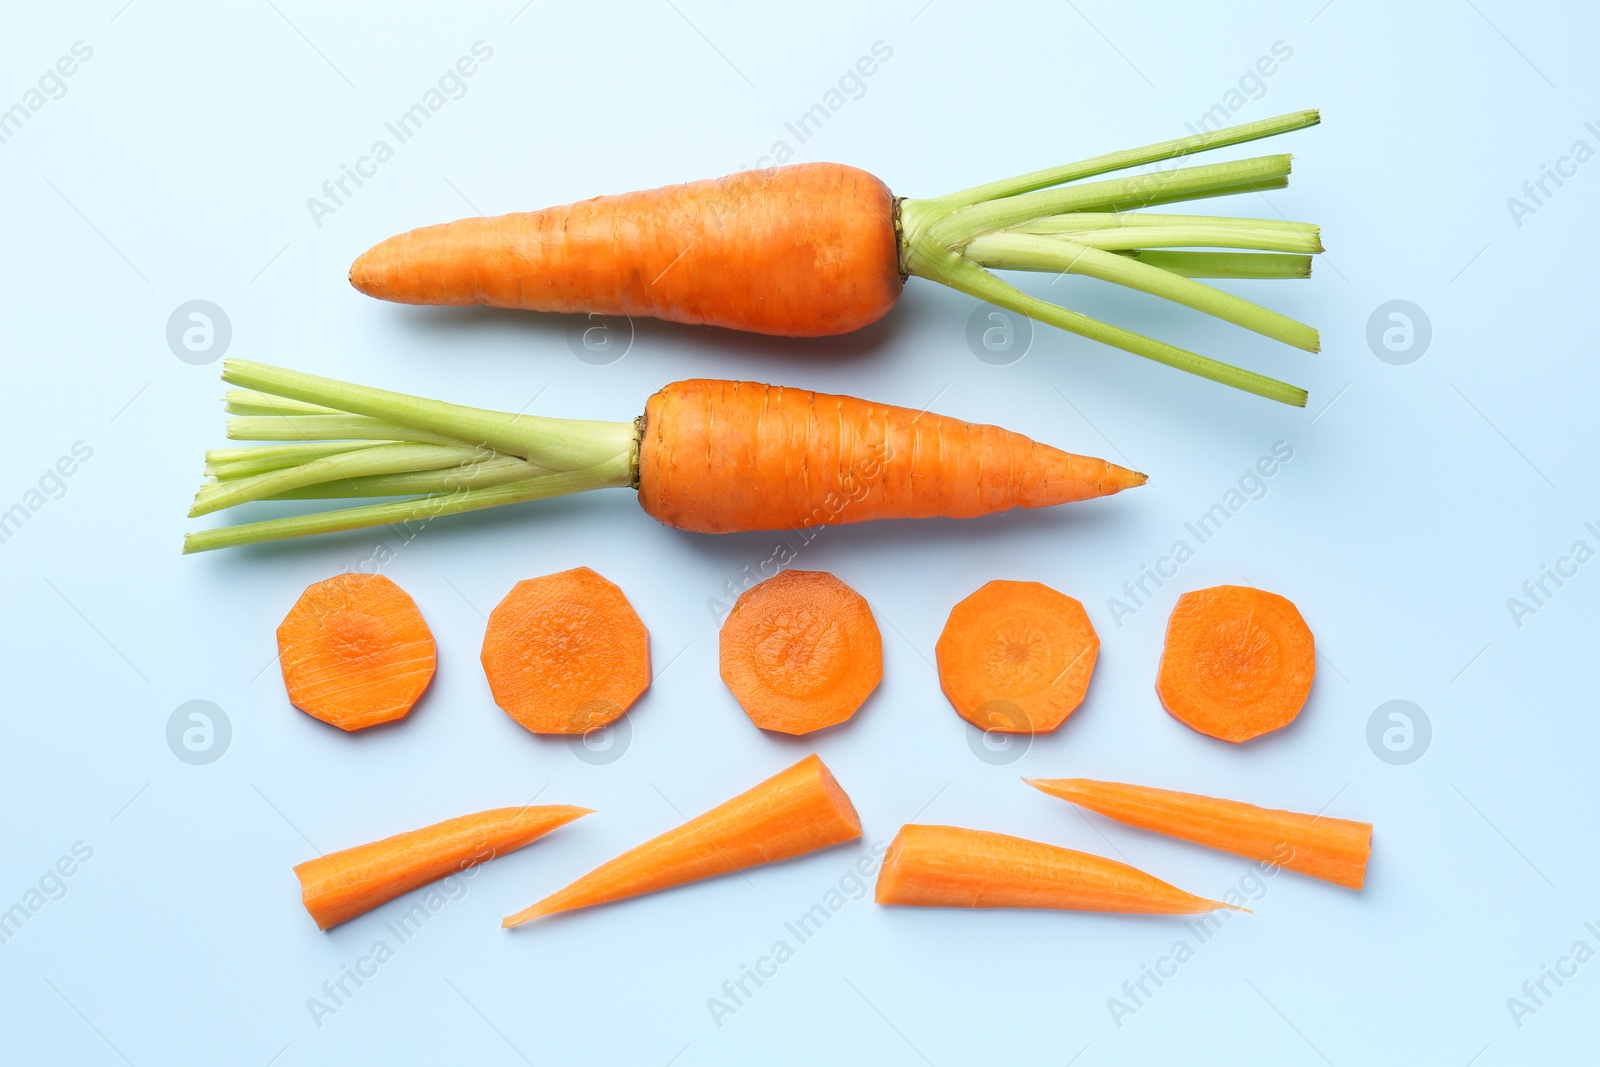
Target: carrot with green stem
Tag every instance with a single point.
(1334, 850)
(794, 812)
(953, 867)
(707, 456)
(817, 249)
(342, 885)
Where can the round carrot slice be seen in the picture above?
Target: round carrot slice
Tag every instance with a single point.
(566, 653)
(1238, 662)
(800, 651)
(355, 651)
(1015, 657)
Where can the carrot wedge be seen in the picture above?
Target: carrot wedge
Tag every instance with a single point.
(341, 885)
(1334, 850)
(794, 812)
(952, 867)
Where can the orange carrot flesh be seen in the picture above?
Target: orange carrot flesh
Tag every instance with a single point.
(800, 652)
(355, 651)
(1238, 662)
(341, 885)
(794, 812)
(1015, 657)
(720, 457)
(952, 867)
(566, 653)
(1334, 850)
(799, 251)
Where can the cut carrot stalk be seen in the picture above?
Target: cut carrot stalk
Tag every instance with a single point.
(952, 867)
(794, 812)
(566, 653)
(1334, 850)
(341, 885)
(1238, 662)
(355, 651)
(1015, 657)
(817, 249)
(707, 456)
(801, 652)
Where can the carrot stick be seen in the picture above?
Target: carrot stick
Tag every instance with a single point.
(707, 456)
(952, 867)
(1334, 850)
(800, 651)
(1238, 662)
(341, 885)
(794, 812)
(355, 651)
(817, 249)
(566, 653)
(1015, 657)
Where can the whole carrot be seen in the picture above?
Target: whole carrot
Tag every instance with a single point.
(708, 456)
(816, 249)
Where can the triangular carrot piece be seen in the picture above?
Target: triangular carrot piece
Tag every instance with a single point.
(794, 812)
(1334, 850)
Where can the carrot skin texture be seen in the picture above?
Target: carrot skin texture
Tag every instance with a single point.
(953, 867)
(796, 811)
(807, 250)
(342, 885)
(722, 457)
(1334, 850)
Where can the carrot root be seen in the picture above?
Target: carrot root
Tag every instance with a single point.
(796, 811)
(1334, 850)
(342, 885)
(953, 867)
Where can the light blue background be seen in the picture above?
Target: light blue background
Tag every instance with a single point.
(177, 166)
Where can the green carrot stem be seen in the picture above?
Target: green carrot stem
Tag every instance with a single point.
(615, 472)
(1027, 251)
(968, 277)
(1117, 232)
(228, 463)
(501, 470)
(309, 428)
(384, 459)
(1132, 157)
(1243, 265)
(253, 402)
(561, 444)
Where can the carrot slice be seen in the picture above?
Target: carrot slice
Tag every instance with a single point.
(1238, 662)
(566, 653)
(355, 651)
(952, 867)
(800, 651)
(1015, 657)
(1334, 850)
(341, 885)
(794, 812)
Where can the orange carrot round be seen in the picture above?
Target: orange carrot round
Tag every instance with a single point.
(355, 651)
(1334, 850)
(800, 251)
(796, 811)
(1016, 657)
(800, 652)
(719, 457)
(953, 867)
(1238, 662)
(566, 653)
(341, 885)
